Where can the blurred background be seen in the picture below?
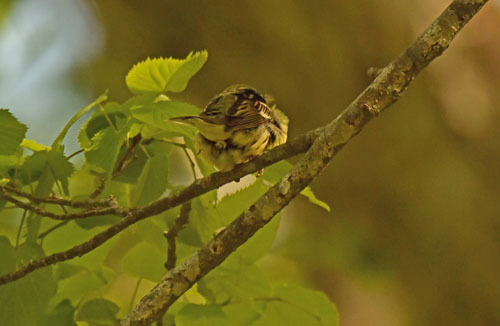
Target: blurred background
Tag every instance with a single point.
(414, 233)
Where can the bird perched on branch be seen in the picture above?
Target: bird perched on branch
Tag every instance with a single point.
(236, 126)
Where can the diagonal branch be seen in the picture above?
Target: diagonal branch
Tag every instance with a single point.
(379, 95)
(387, 88)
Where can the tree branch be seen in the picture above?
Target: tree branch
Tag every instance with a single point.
(387, 88)
(98, 203)
(114, 210)
(383, 92)
(171, 234)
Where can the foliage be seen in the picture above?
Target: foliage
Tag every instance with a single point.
(129, 152)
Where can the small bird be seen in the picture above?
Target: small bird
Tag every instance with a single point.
(236, 126)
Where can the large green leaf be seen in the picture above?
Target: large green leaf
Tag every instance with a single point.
(78, 286)
(157, 114)
(98, 312)
(145, 261)
(164, 74)
(153, 181)
(204, 220)
(223, 285)
(292, 305)
(11, 133)
(230, 207)
(25, 300)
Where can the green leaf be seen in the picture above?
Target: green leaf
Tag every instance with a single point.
(58, 141)
(96, 221)
(230, 207)
(157, 114)
(7, 163)
(275, 172)
(64, 270)
(242, 313)
(233, 204)
(25, 300)
(70, 235)
(201, 315)
(293, 305)
(113, 116)
(309, 194)
(34, 146)
(223, 285)
(62, 315)
(55, 164)
(98, 311)
(164, 75)
(151, 232)
(145, 261)
(131, 173)
(11, 133)
(204, 220)
(105, 148)
(78, 286)
(153, 181)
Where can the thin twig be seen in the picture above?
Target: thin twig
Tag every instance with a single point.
(100, 188)
(134, 294)
(75, 153)
(115, 210)
(98, 203)
(126, 159)
(42, 235)
(18, 236)
(171, 234)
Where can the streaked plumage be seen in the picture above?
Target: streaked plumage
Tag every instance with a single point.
(236, 126)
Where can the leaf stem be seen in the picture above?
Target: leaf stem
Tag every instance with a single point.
(58, 141)
(107, 117)
(18, 236)
(134, 294)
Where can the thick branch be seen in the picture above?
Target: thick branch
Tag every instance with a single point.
(385, 90)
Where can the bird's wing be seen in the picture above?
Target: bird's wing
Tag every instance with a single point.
(248, 114)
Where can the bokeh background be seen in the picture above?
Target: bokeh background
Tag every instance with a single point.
(413, 237)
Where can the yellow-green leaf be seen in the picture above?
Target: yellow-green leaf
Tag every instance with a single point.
(11, 132)
(160, 75)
